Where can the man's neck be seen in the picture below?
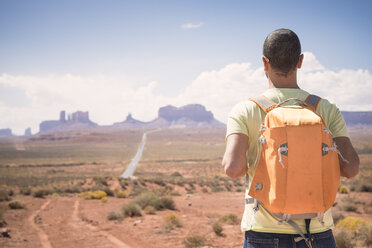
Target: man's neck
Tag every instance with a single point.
(280, 81)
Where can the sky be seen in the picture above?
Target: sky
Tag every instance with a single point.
(118, 56)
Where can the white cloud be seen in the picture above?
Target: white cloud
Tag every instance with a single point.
(192, 25)
(109, 99)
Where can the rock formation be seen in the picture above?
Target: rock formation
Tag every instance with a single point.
(130, 122)
(77, 120)
(6, 132)
(194, 112)
(28, 132)
(188, 116)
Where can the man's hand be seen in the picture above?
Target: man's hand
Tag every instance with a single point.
(234, 161)
(347, 150)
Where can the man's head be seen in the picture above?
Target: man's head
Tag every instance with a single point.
(282, 50)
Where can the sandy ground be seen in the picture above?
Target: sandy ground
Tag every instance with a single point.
(75, 222)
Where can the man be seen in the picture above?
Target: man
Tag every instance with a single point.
(281, 59)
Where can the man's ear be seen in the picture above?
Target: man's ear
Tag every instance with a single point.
(300, 60)
(265, 63)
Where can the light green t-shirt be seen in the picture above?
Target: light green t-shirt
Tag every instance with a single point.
(246, 118)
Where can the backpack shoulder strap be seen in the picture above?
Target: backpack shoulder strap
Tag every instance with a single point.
(312, 101)
(264, 103)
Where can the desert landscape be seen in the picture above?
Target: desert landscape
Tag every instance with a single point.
(63, 189)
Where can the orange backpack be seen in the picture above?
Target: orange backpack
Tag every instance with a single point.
(298, 173)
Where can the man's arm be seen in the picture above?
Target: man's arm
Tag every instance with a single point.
(234, 161)
(348, 169)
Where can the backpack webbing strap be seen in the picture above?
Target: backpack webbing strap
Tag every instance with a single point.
(264, 103)
(306, 237)
(313, 101)
(308, 240)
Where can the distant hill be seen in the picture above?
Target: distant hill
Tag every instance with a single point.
(353, 118)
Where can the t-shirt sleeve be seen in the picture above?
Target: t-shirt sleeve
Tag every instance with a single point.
(237, 120)
(334, 120)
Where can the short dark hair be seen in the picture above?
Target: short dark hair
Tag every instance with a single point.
(283, 49)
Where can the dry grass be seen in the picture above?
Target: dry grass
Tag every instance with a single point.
(217, 228)
(194, 241)
(231, 219)
(16, 205)
(131, 210)
(172, 221)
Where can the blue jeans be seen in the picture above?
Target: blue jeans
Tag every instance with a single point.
(277, 240)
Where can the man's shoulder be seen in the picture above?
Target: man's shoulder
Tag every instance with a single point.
(326, 106)
(243, 107)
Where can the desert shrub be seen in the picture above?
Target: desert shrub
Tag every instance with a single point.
(217, 228)
(192, 186)
(205, 190)
(367, 209)
(137, 190)
(98, 194)
(343, 238)
(55, 195)
(337, 216)
(25, 191)
(150, 210)
(72, 189)
(142, 182)
(124, 183)
(350, 204)
(237, 183)
(148, 199)
(176, 174)
(121, 194)
(365, 187)
(104, 199)
(189, 191)
(100, 181)
(159, 181)
(343, 189)
(39, 193)
(16, 205)
(108, 191)
(167, 203)
(131, 210)
(349, 207)
(351, 199)
(214, 185)
(172, 221)
(4, 196)
(180, 182)
(10, 192)
(365, 234)
(228, 186)
(3, 208)
(193, 241)
(114, 216)
(352, 224)
(230, 219)
(154, 200)
(85, 195)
